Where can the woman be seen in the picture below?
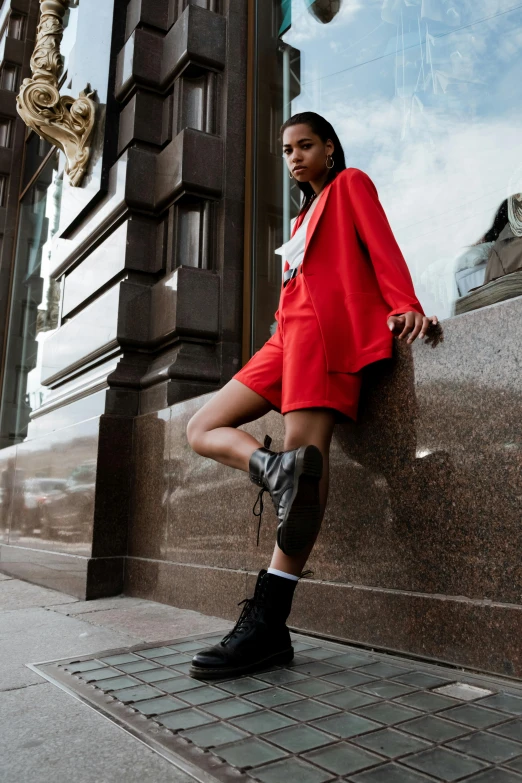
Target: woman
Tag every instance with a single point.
(346, 290)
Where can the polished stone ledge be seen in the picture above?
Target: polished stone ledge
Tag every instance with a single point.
(444, 629)
(83, 577)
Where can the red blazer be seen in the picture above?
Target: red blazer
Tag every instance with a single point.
(355, 273)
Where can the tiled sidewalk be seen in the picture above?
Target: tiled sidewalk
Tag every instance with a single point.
(335, 713)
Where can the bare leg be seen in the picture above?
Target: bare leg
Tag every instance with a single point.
(311, 426)
(212, 431)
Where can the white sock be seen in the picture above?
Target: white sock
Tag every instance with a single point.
(282, 573)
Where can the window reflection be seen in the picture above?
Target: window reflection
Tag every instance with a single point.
(491, 270)
(34, 304)
(67, 45)
(9, 77)
(35, 295)
(36, 149)
(426, 98)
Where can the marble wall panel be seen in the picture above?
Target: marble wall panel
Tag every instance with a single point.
(474, 634)
(52, 504)
(411, 504)
(471, 633)
(48, 569)
(210, 518)
(150, 486)
(65, 505)
(212, 591)
(7, 483)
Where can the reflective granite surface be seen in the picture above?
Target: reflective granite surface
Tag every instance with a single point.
(50, 532)
(52, 498)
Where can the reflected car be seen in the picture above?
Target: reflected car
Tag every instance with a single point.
(37, 494)
(69, 513)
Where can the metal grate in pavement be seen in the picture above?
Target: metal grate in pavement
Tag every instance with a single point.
(337, 712)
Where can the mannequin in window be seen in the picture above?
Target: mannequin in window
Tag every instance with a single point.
(470, 266)
(506, 254)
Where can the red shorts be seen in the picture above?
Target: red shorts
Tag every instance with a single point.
(290, 369)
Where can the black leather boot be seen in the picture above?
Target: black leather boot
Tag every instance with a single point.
(260, 637)
(292, 479)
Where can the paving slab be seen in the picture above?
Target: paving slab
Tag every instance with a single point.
(153, 622)
(64, 741)
(99, 605)
(37, 634)
(15, 594)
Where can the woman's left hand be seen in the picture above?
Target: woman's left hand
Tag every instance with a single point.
(416, 325)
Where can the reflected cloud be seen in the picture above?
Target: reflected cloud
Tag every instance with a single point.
(430, 111)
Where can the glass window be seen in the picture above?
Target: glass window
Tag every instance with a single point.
(67, 45)
(36, 149)
(16, 26)
(425, 96)
(35, 302)
(4, 181)
(5, 132)
(35, 295)
(9, 77)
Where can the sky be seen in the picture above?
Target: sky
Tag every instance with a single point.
(425, 96)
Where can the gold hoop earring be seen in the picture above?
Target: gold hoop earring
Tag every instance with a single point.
(290, 175)
(333, 164)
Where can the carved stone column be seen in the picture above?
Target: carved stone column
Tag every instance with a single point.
(64, 121)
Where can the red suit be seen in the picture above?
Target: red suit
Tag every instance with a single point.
(355, 273)
(331, 319)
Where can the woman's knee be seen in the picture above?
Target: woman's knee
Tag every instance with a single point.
(309, 428)
(195, 433)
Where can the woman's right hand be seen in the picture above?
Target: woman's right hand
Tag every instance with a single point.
(412, 324)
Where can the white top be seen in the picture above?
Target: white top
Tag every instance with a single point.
(293, 250)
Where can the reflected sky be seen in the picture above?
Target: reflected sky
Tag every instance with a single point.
(425, 96)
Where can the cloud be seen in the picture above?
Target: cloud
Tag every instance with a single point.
(439, 196)
(441, 157)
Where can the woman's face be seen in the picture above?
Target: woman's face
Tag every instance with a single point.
(305, 153)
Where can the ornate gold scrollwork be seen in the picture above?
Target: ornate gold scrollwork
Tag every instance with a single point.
(66, 122)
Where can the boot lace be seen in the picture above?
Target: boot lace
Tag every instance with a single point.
(250, 603)
(261, 507)
(266, 443)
